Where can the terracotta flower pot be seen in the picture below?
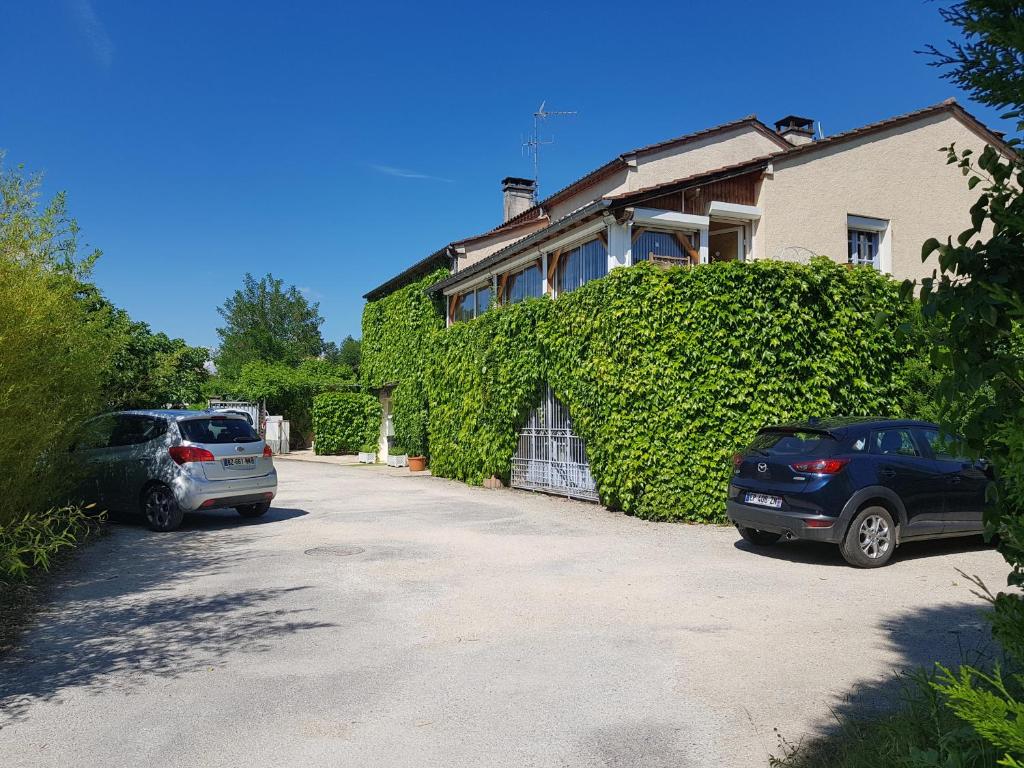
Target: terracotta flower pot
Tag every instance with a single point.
(417, 463)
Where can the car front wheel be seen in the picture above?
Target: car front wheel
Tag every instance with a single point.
(871, 538)
(161, 508)
(758, 538)
(253, 510)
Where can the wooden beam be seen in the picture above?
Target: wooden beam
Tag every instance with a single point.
(502, 284)
(553, 260)
(684, 242)
(603, 237)
(636, 234)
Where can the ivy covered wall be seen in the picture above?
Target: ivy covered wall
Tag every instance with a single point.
(666, 373)
(400, 333)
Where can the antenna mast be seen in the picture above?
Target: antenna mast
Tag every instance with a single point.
(533, 144)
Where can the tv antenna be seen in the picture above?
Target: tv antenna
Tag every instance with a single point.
(533, 144)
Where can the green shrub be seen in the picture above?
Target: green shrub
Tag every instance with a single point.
(51, 375)
(921, 732)
(400, 336)
(31, 541)
(667, 372)
(345, 422)
(289, 390)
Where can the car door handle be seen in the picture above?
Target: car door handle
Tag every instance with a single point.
(955, 479)
(887, 472)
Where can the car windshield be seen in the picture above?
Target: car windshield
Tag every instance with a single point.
(218, 429)
(787, 442)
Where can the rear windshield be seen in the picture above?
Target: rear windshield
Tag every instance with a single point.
(218, 430)
(773, 442)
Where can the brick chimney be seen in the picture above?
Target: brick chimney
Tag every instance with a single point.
(518, 195)
(796, 130)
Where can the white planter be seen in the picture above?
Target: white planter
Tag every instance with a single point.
(367, 458)
(398, 461)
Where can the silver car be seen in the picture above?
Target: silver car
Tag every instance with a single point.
(166, 463)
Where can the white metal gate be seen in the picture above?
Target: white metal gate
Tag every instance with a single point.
(550, 457)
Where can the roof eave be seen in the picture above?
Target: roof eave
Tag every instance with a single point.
(524, 243)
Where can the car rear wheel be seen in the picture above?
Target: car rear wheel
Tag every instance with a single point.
(758, 538)
(871, 538)
(161, 508)
(253, 510)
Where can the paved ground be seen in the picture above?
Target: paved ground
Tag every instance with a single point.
(375, 619)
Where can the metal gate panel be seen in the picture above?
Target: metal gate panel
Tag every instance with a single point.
(550, 457)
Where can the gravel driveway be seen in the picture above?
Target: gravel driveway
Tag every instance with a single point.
(381, 619)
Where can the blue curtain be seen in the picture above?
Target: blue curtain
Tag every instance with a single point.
(581, 265)
(658, 243)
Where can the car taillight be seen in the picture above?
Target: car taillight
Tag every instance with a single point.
(820, 466)
(183, 454)
(737, 460)
(267, 453)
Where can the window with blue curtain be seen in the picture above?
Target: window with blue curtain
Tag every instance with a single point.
(863, 247)
(471, 304)
(483, 300)
(658, 244)
(581, 265)
(524, 284)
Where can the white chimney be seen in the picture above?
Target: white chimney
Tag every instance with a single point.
(518, 195)
(796, 130)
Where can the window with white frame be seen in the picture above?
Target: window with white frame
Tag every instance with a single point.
(581, 265)
(866, 241)
(471, 304)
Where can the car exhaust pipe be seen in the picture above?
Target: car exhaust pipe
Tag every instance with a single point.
(789, 535)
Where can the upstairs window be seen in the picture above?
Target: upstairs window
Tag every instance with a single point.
(863, 247)
(868, 242)
(524, 284)
(664, 247)
(581, 265)
(471, 304)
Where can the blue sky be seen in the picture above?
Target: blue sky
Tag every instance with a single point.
(334, 144)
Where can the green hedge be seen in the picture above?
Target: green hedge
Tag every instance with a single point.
(666, 373)
(400, 334)
(343, 422)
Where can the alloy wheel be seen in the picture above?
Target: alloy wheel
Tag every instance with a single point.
(160, 506)
(874, 536)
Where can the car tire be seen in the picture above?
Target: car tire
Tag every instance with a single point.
(161, 508)
(871, 538)
(758, 538)
(253, 510)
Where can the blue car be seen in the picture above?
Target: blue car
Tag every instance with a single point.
(864, 484)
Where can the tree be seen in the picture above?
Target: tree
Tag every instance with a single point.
(54, 345)
(151, 370)
(347, 353)
(264, 322)
(977, 298)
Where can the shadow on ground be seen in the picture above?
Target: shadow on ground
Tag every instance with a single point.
(950, 635)
(816, 553)
(118, 610)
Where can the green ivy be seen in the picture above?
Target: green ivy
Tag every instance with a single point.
(344, 422)
(400, 334)
(666, 373)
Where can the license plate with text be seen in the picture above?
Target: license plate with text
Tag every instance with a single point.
(240, 461)
(763, 500)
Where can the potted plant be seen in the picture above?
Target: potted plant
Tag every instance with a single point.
(397, 456)
(368, 453)
(416, 442)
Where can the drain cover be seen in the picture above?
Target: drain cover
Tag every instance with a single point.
(340, 551)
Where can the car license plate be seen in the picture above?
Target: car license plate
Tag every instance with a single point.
(240, 461)
(763, 500)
